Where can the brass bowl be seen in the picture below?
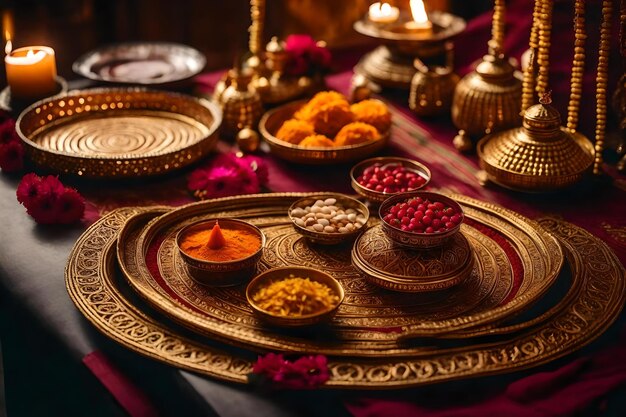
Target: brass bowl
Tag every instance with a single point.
(379, 196)
(118, 132)
(273, 120)
(413, 240)
(323, 238)
(278, 274)
(220, 274)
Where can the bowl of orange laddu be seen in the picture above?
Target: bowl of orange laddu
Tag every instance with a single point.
(326, 129)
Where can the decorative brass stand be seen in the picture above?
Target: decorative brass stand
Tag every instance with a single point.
(541, 156)
(487, 100)
(391, 64)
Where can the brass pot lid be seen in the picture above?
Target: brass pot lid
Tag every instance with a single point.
(541, 147)
(495, 68)
(375, 254)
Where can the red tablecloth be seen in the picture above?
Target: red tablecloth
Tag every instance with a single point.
(598, 207)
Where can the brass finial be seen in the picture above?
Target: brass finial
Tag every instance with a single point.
(546, 98)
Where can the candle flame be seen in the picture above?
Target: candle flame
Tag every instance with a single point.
(8, 47)
(385, 9)
(418, 11)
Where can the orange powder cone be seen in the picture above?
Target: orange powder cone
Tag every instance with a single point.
(216, 238)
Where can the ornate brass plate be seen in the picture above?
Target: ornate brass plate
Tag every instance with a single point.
(119, 132)
(93, 286)
(370, 320)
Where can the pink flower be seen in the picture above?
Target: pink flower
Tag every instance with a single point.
(307, 372)
(299, 44)
(11, 156)
(258, 167)
(48, 201)
(228, 175)
(270, 365)
(306, 56)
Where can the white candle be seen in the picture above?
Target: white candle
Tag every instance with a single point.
(420, 18)
(31, 72)
(383, 13)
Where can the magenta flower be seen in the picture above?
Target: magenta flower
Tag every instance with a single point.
(48, 201)
(228, 175)
(11, 156)
(307, 372)
(306, 57)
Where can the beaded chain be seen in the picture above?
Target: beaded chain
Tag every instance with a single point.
(578, 65)
(543, 52)
(257, 13)
(601, 82)
(528, 82)
(496, 44)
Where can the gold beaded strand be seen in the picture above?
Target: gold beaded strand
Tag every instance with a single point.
(601, 82)
(528, 82)
(578, 66)
(257, 14)
(496, 44)
(543, 52)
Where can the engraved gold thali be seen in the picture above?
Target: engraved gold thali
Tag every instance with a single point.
(95, 287)
(510, 272)
(117, 133)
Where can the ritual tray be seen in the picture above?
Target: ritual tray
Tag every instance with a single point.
(146, 63)
(95, 286)
(516, 261)
(116, 133)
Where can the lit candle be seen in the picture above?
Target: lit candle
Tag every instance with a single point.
(420, 20)
(383, 13)
(31, 71)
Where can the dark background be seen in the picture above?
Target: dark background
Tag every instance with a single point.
(218, 28)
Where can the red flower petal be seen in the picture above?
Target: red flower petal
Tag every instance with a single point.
(28, 188)
(70, 206)
(7, 132)
(43, 209)
(11, 156)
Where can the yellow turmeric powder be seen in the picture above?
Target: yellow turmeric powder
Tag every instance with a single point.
(238, 244)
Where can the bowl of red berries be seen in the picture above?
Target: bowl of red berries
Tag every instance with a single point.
(420, 219)
(378, 178)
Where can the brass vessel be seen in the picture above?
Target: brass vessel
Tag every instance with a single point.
(432, 89)
(541, 155)
(241, 103)
(486, 100)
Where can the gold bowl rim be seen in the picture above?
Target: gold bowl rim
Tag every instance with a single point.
(186, 257)
(381, 195)
(327, 279)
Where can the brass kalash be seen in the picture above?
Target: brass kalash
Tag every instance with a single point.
(424, 37)
(542, 155)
